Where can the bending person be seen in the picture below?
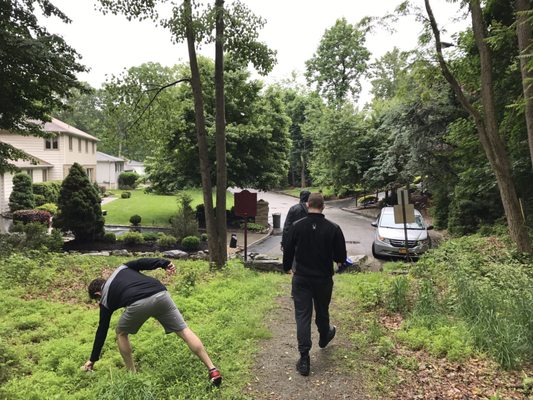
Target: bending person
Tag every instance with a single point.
(144, 297)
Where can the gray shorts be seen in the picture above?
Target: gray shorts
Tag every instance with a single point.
(160, 306)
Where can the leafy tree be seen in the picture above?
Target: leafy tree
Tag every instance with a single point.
(386, 74)
(38, 70)
(79, 206)
(240, 40)
(21, 198)
(339, 62)
(486, 121)
(257, 137)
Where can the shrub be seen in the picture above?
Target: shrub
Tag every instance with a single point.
(132, 238)
(398, 293)
(109, 237)
(50, 207)
(150, 236)
(190, 243)
(135, 220)
(166, 241)
(21, 198)
(252, 226)
(34, 236)
(28, 216)
(184, 222)
(127, 180)
(79, 205)
(203, 237)
(48, 190)
(125, 195)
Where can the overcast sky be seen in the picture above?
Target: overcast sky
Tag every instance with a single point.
(108, 44)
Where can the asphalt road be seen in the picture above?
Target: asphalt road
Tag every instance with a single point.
(356, 228)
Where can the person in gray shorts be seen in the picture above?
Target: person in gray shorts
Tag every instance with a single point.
(143, 297)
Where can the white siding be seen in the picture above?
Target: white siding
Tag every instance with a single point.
(6, 187)
(84, 158)
(106, 174)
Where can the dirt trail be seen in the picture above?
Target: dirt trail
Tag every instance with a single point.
(275, 375)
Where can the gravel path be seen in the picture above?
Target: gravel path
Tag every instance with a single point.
(276, 377)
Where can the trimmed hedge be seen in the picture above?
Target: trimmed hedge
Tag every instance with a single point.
(127, 180)
(27, 216)
(46, 192)
(190, 243)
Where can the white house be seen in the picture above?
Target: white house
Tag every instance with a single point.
(108, 168)
(134, 166)
(50, 158)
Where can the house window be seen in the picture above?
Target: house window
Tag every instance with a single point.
(70, 143)
(45, 175)
(51, 143)
(79, 145)
(30, 173)
(90, 173)
(86, 146)
(119, 167)
(93, 146)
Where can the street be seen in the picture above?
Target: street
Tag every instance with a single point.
(356, 228)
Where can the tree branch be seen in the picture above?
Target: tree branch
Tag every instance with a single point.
(159, 90)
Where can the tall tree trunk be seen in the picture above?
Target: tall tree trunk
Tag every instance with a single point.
(525, 46)
(302, 171)
(201, 135)
(220, 122)
(487, 125)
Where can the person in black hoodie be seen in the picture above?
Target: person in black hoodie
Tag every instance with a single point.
(143, 297)
(296, 212)
(315, 243)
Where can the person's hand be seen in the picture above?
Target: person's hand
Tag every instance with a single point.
(88, 366)
(171, 268)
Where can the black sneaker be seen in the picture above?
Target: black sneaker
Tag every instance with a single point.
(303, 365)
(331, 334)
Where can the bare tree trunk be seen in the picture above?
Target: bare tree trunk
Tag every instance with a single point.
(302, 171)
(525, 46)
(487, 125)
(220, 122)
(201, 135)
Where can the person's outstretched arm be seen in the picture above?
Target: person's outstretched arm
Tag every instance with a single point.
(144, 264)
(99, 337)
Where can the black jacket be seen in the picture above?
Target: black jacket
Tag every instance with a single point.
(316, 243)
(125, 286)
(296, 212)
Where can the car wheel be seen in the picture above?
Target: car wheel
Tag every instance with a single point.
(374, 254)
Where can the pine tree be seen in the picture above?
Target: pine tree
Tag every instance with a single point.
(79, 206)
(21, 197)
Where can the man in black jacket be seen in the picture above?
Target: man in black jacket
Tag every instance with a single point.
(315, 243)
(296, 212)
(143, 297)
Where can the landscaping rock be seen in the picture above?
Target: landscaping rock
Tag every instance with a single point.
(201, 255)
(99, 253)
(176, 254)
(260, 257)
(266, 265)
(120, 253)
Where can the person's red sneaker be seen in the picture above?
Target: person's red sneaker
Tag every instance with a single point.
(214, 377)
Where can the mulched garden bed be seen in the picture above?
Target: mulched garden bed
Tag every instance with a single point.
(146, 247)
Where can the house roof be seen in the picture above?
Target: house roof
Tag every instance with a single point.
(103, 157)
(32, 162)
(135, 163)
(61, 127)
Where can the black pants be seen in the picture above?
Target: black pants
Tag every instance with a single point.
(306, 291)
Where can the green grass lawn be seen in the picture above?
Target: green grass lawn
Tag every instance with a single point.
(155, 210)
(46, 335)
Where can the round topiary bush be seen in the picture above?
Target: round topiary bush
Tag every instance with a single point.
(132, 238)
(166, 241)
(125, 195)
(203, 237)
(109, 237)
(190, 243)
(21, 198)
(135, 220)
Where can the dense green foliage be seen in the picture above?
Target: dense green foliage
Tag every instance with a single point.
(184, 222)
(79, 206)
(21, 198)
(38, 69)
(48, 333)
(190, 243)
(128, 180)
(47, 192)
